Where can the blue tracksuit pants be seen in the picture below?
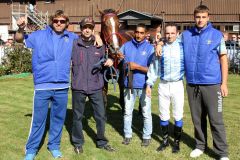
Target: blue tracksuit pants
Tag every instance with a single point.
(56, 100)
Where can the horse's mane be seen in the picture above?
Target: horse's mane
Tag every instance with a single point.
(127, 34)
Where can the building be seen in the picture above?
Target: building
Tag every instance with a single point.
(225, 14)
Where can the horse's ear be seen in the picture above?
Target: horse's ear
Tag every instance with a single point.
(101, 12)
(117, 11)
(120, 6)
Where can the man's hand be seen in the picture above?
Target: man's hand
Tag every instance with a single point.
(108, 63)
(148, 91)
(120, 55)
(98, 41)
(224, 70)
(158, 49)
(19, 35)
(224, 90)
(21, 22)
(133, 65)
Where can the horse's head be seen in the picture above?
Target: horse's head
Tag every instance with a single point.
(110, 28)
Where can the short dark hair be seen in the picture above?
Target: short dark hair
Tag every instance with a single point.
(201, 9)
(142, 25)
(171, 24)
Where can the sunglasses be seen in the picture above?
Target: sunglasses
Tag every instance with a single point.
(61, 21)
(88, 26)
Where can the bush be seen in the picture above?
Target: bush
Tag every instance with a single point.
(17, 59)
(2, 70)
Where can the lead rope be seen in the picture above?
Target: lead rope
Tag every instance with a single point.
(112, 70)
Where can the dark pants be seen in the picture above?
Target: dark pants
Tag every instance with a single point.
(206, 100)
(78, 104)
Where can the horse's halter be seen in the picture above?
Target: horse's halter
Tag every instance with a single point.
(109, 22)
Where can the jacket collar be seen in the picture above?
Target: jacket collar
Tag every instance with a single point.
(176, 42)
(137, 44)
(65, 32)
(80, 41)
(209, 26)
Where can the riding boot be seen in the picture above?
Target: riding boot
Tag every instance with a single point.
(177, 138)
(165, 142)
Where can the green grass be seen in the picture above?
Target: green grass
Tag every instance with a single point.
(15, 118)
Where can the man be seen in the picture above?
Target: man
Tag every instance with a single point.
(234, 37)
(51, 66)
(206, 70)
(9, 42)
(87, 81)
(138, 54)
(51, 59)
(170, 68)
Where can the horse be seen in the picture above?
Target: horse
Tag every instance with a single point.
(114, 39)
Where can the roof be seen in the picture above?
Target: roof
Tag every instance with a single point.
(227, 11)
(134, 15)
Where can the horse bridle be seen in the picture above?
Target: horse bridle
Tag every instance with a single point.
(109, 47)
(107, 37)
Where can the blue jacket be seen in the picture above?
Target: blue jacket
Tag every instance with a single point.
(51, 67)
(84, 77)
(140, 53)
(201, 55)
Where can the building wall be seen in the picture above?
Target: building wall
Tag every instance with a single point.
(5, 13)
(223, 12)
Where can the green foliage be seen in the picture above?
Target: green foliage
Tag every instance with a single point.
(17, 59)
(2, 70)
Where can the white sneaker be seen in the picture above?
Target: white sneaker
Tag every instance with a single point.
(224, 158)
(196, 153)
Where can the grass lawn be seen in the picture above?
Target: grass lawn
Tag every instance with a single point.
(15, 119)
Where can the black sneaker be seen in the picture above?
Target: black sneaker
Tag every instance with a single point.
(108, 148)
(145, 142)
(163, 146)
(78, 150)
(126, 141)
(176, 147)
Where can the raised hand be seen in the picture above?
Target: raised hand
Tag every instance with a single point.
(21, 22)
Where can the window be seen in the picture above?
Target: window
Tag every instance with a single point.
(217, 27)
(229, 28)
(187, 27)
(179, 28)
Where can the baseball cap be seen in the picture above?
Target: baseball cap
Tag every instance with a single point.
(87, 21)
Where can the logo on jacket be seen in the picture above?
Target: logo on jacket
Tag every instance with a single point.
(144, 52)
(97, 53)
(209, 41)
(66, 39)
(219, 101)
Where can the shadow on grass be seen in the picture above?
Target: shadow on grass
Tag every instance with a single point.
(115, 119)
(88, 113)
